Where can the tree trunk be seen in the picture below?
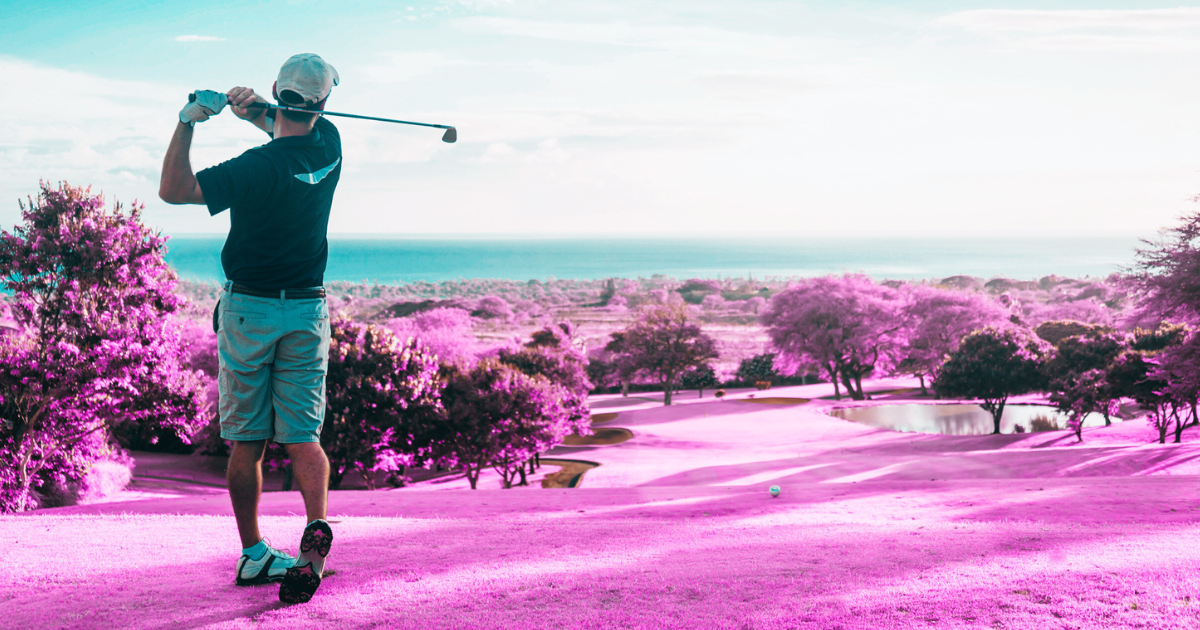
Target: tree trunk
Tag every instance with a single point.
(997, 411)
(369, 479)
(523, 482)
(23, 488)
(666, 394)
(1180, 424)
(922, 377)
(471, 478)
(833, 378)
(624, 389)
(849, 383)
(858, 382)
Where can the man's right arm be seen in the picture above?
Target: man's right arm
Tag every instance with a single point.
(178, 183)
(239, 97)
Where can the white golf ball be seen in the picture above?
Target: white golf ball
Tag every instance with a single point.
(774, 491)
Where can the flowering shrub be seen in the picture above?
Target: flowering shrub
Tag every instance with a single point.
(90, 292)
(444, 332)
(381, 402)
(494, 415)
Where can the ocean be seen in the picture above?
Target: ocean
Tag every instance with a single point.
(403, 260)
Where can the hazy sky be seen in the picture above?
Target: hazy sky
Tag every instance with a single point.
(647, 117)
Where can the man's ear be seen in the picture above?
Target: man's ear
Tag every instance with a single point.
(275, 91)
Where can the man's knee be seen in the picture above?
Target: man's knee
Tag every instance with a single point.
(252, 450)
(305, 452)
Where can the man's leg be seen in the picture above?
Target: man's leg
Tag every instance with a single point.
(310, 469)
(244, 476)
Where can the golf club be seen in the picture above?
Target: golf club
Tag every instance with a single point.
(451, 134)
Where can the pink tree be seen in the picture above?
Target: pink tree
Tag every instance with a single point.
(1081, 394)
(936, 322)
(91, 291)
(848, 325)
(662, 344)
(1133, 375)
(1075, 373)
(1166, 276)
(1179, 367)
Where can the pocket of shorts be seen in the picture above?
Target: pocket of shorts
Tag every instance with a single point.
(245, 315)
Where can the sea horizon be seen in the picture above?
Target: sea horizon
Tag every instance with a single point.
(383, 260)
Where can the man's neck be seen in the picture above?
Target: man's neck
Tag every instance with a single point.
(285, 128)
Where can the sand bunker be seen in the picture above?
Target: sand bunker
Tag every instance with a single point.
(599, 437)
(569, 475)
(598, 418)
(775, 401)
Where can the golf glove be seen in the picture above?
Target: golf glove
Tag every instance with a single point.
(204, 103)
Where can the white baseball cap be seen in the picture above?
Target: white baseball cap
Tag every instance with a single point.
(304, 80)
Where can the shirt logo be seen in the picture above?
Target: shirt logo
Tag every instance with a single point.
(316, 177)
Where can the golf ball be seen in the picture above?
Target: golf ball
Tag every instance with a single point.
(774, 491)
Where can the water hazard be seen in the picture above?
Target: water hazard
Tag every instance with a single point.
(959, 419)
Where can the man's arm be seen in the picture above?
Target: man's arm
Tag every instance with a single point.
(239, 97)
(178, 183)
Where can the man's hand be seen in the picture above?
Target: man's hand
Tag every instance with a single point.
(205, 103)
(239, 97)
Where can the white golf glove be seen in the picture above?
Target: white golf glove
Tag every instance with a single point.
(204, 103)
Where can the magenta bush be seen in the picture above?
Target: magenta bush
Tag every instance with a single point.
(494, 415)
(95, 353)
(381, 403)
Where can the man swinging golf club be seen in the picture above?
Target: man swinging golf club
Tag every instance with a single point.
(272, 320)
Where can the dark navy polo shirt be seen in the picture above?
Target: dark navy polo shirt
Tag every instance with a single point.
(278, 196)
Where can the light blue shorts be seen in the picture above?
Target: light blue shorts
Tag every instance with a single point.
(273, 356)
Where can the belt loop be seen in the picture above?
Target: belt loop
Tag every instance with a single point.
(282, 296)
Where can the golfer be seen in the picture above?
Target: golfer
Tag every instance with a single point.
(272, 320)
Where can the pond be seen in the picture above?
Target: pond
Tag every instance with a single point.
(956, 419)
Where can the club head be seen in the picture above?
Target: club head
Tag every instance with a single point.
(451, 135)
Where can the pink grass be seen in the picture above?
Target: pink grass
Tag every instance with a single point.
(675, 530)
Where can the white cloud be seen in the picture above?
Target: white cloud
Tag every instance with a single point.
(1140, 30)
(199, 38)
(1039, 21)
(396, 67)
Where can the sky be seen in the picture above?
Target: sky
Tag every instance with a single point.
(641, 118)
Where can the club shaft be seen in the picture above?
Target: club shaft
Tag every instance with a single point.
(310, 111)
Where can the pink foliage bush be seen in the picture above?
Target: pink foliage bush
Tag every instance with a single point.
(96, 354)
(493, 307)
(107, 477)
(446, 333)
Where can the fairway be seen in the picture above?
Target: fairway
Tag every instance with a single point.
(675, 529)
